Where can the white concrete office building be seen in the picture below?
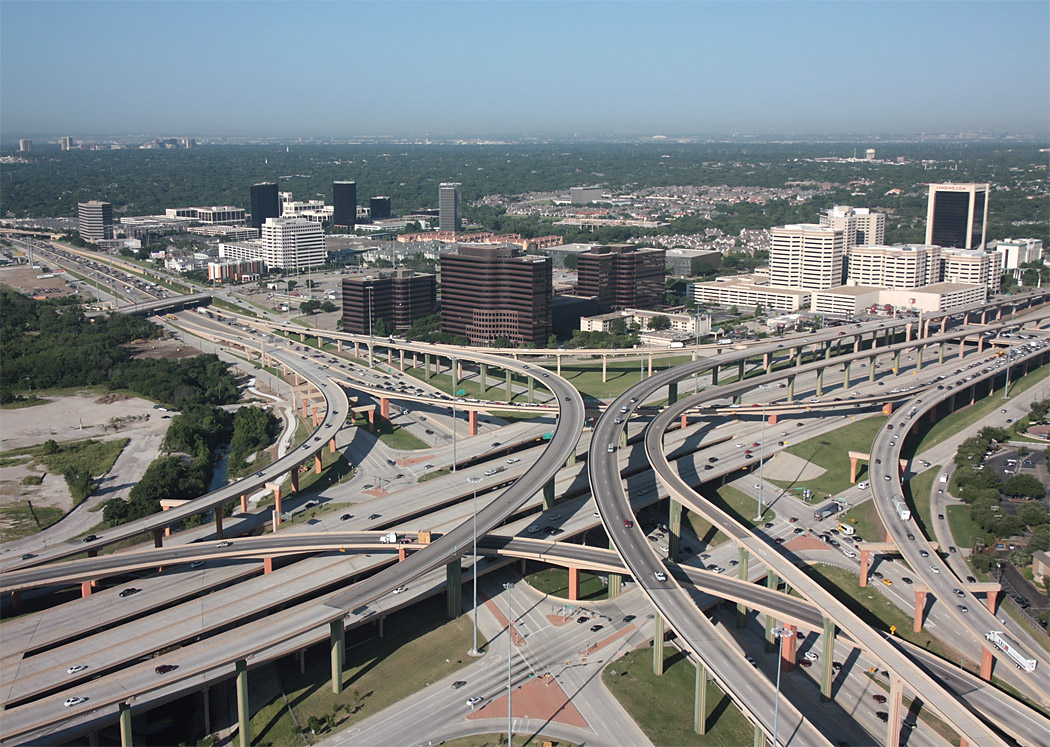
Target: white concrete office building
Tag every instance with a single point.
(286, 244)
(972, 267)
(744, 292)
(806, 256)
(1016, 252)
(860, 226)
(908, 266)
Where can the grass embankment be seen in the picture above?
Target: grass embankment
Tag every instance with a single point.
(495, 740)
(619, 374)
(662, 706)
(391, 434)
(703, 529)
(19, 520)
(555, 581)
(917, 491)
(961, 419)
(865, 521)
(831, 451)
(96, 457)
(964, 531)
(420, 642)
(740, 506)
(470, 385)
(434, 474)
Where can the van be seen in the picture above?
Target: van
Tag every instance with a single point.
(862, 485)
(610, 448)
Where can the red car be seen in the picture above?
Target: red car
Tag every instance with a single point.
(627, 523)
(165, 668)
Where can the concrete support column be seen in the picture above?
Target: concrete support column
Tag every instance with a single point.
(658, 644)
(740, 371)
(672, 393)
(605, 364)
(572, 458)
(856, 344)
(454, 371)
(896, 709)
(125, 724)
(791, 388)
(318, 465)
(871, 369)
(472, 421)
(907, 333)
(962, 347)
(331, 445)
(940, 356)
(293, 474)
(243, 710)
(650, 363)
(402, 363)
(623, 439)
(714, 376)
(532, 386)
(206, 699)
(918, 359)
(865, 557)
(854, 462)
(510, 393)
(845, 376)
(828, 672)
(767, 362)
(772, 582)
(384, 408)
(674, 528)
(760, 737)
(389, 356)
(557, 360)
(896, 363)
(820, 382)
(827, 351)
(920, 607)
(277, 506)
(85, 589)
(453, 589)
(267, 565)
(426, 366)
(548, 494)
(615, 584)
(987, 664)
(244, 504)
(741, 608)
(798, 357)
(158, 538)
(991, 599)
(574, 584)
(788, 647)
(218, 522)
(336, 651)
(482, 376)
(700, 699)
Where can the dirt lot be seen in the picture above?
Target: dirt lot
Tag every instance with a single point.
(171, 349)
(24, 279)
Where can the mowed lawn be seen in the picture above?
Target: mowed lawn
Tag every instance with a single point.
(831, 451)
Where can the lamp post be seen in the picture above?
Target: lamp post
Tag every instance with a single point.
(781, 634)
(761, 464)
(474, 483)
(371, 341)
(510, 632)
(455, 367)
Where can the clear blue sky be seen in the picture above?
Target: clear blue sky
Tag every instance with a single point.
(341, 69)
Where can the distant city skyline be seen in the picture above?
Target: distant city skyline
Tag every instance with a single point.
(251, 69)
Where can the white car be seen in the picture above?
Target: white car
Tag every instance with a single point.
(862, 485)
(848, 553)
(739, 445)
(473, 701)
(400, 589)
(935, 569)
(811, 656)
(660, 575)
(74, 701)
(76, 668)
(513, 460)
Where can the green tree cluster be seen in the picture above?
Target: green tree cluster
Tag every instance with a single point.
(254, 429)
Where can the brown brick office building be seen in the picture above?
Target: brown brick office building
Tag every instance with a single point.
(622, 276)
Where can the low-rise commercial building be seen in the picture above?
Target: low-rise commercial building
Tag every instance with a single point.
(687, 325)
(1017, 252)
(744, 292)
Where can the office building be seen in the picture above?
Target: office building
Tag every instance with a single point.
(682, 325)
(379, 207)
(264, 203)
(95, 220)
(957, 215)
(244, 271)
(1017, 252)
(583, 195)
(972, 267)
(908, 266)
(398, 298)
(489, 292)
(622, 276)
(311, 210)
(24, 146)
(344, 204)
(685, 263)
(806, 256)
(449, 195)
(65, 143)
(860, 226)
(215, 214)
(746, 292)
(285, 244)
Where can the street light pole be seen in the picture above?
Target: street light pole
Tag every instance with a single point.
(510, 622)
(371, 341)
(474, 482)
(455, 367)
(781, 634)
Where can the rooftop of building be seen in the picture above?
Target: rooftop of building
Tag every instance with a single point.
(751, 282)
(851, 290)
(946, 288)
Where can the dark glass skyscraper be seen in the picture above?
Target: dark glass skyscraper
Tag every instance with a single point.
(380, 207)
(957, 215)
(344, 204)
(622, 276)
(264, 203)
(449, 194)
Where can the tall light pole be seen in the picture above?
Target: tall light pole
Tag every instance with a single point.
(455, 367)
(781, 634)
(371, 341)
(474, 483)
(1006, 388)
(510, 632)
(761, 463)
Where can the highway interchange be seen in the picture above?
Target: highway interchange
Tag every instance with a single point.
(282, 632)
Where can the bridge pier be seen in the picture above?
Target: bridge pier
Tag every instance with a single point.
(218, 523)
(741, 608)
(125, 724)
(574, 584)
(714, 376)
(798, 356)
(896, 708)
(650, 363)
(472, 421)
(865, 557)
(828, 672)
(605, 362)
(920, 610)
(615, 584)
(896, 363)
(85, 589)
(243, 710)
(510, 392)
(918, 358)
(991, 600)
(158, 538)
(277, 499)
(426, 367)
(557, 361)
(788, 648)
(532, 384)
(402, 365)
(827, 351)
(482, 375)
(700, 699)
(772, 582)
(453, 589)
(845, 376)
(336, 652)
(767, 362)
(244, 504)
(871, 369)
(658, 644)
(760, 737)
(623, 439)
(791, 389)
(672, 393)
(820, 382)
(571, 459)
(987, 664)
(739, 375)
(674, 529)
(548, 494)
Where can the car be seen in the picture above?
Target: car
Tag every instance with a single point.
(911, 536)
(768, 525)
(889, 427)
(716, 569)
(129, 591)
(346, 517)
(76, 668)
(534, 529)
(971, 580)
(793, 519)
(582, 619)
(908, 724)
(751, 661)
(934, 569)
(951, 548)
(712, 460)
(811, 656)
(906, 580)
(734, 562)
(923, 554)
(962, 608)
(595, 628)
(617, 421)
(458, 684)
(372, 517)
(749, 456)
(627, 523)
(887, 478)
(74, 701)
(887, 582)
(879, 698)
(28, 556)
(369, 486)
(90, 538)
(779, 540)
(958, 592)
(940, 517)
(709, 466)
(628, 618)
(196, 564)
(165, 668)
(513, 460)
(1003, 412)
(836, 665)
(660, 575)
(224, 543)
(882, 716)
(805, 663)
(495, 444)
(473, 701)
(400, 589)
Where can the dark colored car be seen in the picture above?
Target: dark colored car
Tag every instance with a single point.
(129, 591)
(165, 668)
